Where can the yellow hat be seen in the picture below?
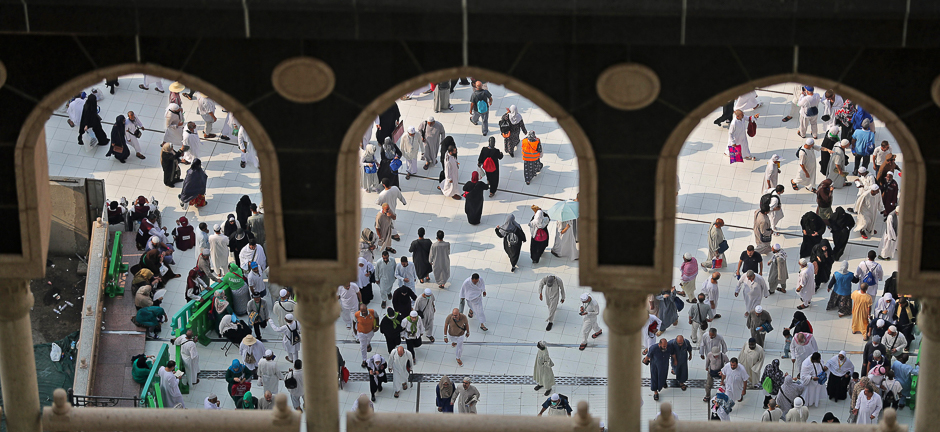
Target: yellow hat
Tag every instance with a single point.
(177, 87)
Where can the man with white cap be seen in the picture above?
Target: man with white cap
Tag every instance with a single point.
(212, 402)
(432, 132)
(807, 283)
(412, 328)
(895, 342)
(410, 144)
(755, 290)
(836, 169)
(291, 340)
(465, 397)
(426, 308)
(687, 274)
(283, 306)
(554, 292)
(809, 111)
(589, 310)
(473, 290)
(400, 361)
(737, 133)
(557, 405)
(349, 301)
(869, 207)
(756, 324)
(367, 322)
(799, 413)
(218, 245)
(806, 176)
(771, 173)
(268, 372)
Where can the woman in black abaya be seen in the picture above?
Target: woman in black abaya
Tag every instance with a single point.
(388, 121)
(813, 229)
(513, 238)
(389, 153)
(473, 192)
(118, 142)
(841, 225)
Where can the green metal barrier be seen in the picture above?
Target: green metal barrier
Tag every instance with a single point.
(116, 268)
(912, 400)
(151, 395)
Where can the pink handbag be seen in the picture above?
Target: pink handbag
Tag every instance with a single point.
(734, 154)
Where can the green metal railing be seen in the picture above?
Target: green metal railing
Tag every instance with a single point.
(151, 395)
(116, 268)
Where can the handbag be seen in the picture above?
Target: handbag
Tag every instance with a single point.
(395, 164)
(768, 384)
(766, 327)
(722, 247)
(679, 303)
(714, 373)
(812, 111)
(371, 169)
(397, 133)
(734, 154)
(751, 128)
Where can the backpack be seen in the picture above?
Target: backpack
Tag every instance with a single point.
(798, 151)
(889, 399)
(250, 358)
(765, 202)
(294, 337)
(482, 107)
(869, 277)
(489, 165)
(505, 126)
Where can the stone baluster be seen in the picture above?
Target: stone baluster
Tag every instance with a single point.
(624, 315)
(928, 389)
(666, 422)
(17, 362)
(318, 310)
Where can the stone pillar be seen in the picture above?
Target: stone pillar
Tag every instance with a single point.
(928, 384)
(625, 315)
(318, 310)
(17, 363)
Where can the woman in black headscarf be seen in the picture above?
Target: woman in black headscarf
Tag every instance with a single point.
(243, 210)
(841, 225)
(118, 142)
(489, 161)
(194, 187)
(513, 238)
(800, 324)
(389, 153)
(824, 200)
(473, 192)
(813, 229)
(92, 121)
(773, 372)
(822, 259)
(231, 225)
(388, 120)
(236, 242)
(170, 161)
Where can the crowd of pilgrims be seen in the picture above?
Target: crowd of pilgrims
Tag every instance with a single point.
(885, 320)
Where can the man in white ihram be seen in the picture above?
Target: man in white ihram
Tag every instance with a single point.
(589, 310)
(400, 361)
(473, 290)
(737, 133)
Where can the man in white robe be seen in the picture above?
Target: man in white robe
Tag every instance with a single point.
(218, 245)
(410, 144)
(649, 333)
(715, 237)
(440, 260)
(747, 101)
(251, 350)
(830, 104)
(734, 379)
(349, 300)
(465, 398)
(212, 402)
(869, 208)
(405, 274)
(589, 310)
(710, 289)
(190, 356)
(771, 173)
(248, 152)
(554, 292)
(205, 108)
(737, 133)
(837, 161)
(799, 413)
(876, 270)
(253, 252)
(889, 241)
(192, 146)
(400, 361)
(776, 207)
(864, 181)
(269, 373)
(868, 406)
(755, 290)
(806, 176)
(283, 306)
(432, 132)
(473, 290)
(450, 183)
(752, 360)
(288, 330)
(170, 386)
(385, 276)
(132, 124)
(809, 101)
(150, 79)
(807, 284)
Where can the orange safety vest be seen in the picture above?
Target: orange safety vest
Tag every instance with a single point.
(530, 150)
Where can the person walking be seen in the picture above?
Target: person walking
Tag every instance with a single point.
(589, 310)
(714, 363)
(91, 121)
(473, 192)
(554, 292)
(449, 182)
(489, 163)
(531, 156)
(472, 292)
(412, 330)
(480, 102)
(543, 375)
(757, 322)
(516, 124)
(370, 168)
(432, 132)
(806, 176)
(133, 129)
(777, 274)
(513, 237)
(410, 145)
(737, 133)
(367, 322)
(657, 358)
(465, 398)
(440, 260)
(456, 330)
(681, 352)
(688, 271)
(699, 318)
(421, 250)
(426, 307)
(538, 230)
(717, 245)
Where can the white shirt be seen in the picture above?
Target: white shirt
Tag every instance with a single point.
(256, 282)
(348, 297)
(870, 266)
(391, 196)
(808, 101)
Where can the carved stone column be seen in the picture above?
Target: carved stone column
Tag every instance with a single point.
(318, 310)
(625, 315)
(928, 384)
(17, 363)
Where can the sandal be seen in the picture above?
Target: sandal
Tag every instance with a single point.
(785, 119)
(801, 307)
(705, 399)
(595, 335)
(483, 327)
(582, 347)
(656, 396)
(459, 363)
(683, 387)
(793, 185)
(470, 315)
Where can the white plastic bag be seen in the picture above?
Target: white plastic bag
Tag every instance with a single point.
(56, 352)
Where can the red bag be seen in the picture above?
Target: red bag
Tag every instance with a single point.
(398, 132)
(751, 127)
(489, 165)
(717, 262)
(734, 154)
(541, 234)
(345, 375)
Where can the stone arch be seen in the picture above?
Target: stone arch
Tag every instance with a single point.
(912, 194)
(32, 176)
(347, 172)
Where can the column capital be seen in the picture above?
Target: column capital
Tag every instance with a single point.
(317, 306)
(17, 299)
(626, 313)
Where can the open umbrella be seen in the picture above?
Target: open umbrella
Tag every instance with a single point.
(563, 211)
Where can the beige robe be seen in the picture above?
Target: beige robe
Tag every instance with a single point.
(543, 374)
(440, 261)
(715, 237)
(753, 361)
(462, 399)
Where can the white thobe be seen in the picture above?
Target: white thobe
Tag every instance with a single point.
(285, 330)
(474, 295)
(410, 145)
(889, 241)
(870, 266)
(754, 291)
(591, 310)
(771, 173)
(205, 107)
(155, 80)
(209, 405)
(776, 209)
(734, 380)
(553, 293)
(282, 308)
(270, 376)
(866, 181)
(868, 407)
(403, 272)
(868, 208)
(218, 248)
(798, 415)
(248, 152)
(202, 242)
(385, 276)
(752, 360)
(812, 390)
(191, 140)
(711, 295)
(257, 255)
(802, 352)
(400, 365)
(190, 357)
(449, 184)
(829, 109)
(170, 386)
(737, 134)
(747, 101)
(256, 350)
(808, 283)
(75, 110)
(348, 301)
(130, 128)
(807, 160)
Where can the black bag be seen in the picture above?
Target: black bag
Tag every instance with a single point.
(812, 111)
(294, 337)
(505, 126)
(765, 202)
(798, 152)
(290, 382)
(722, 247)
(715, 373)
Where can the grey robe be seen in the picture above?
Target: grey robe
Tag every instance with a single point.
(432, 141)
(426, 307)
(440, 261)
(667, 310)
(462, 396)
(385, 276)
(256, 226)
(565, 244)
(777, 270)
(553, 293)
(837, 159)
(762, 226)
(543, 374)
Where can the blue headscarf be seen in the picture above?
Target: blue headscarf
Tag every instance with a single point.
(236, 367)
